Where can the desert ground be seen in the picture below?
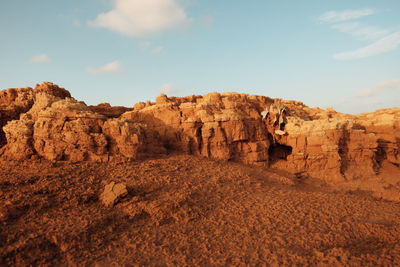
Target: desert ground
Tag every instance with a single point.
(187, 211)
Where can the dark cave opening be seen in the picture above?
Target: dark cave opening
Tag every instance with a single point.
(278, 152)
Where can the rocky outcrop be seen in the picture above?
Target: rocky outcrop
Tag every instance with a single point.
(12, 103)
(339, 147)
(286, 135)
(68, 130)
(221, 126)
(57, 127)
(282, 134)
(109, 111)
(15, 101)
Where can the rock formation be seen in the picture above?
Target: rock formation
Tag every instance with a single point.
(46, 122)
(14, 102)
(339, 147)
(57, 127)
(221, 126)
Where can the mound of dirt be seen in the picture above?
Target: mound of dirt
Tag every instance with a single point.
(186, 211)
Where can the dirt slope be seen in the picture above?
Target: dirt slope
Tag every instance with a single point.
(187, 211)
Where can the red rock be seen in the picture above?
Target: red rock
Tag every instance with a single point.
(109, 111)
(112, 193)
(14, 102)
(282, 134)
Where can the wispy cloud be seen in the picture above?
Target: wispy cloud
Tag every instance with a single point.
(169, 89)
(368, 92)
(383, 45)
(140, 18)
(379, 89)
(383, 94)
(76, 22)
(361, 31)
(339, 16)
(207, 21)
(158, 49)
(371, 103)
(150, 47)
(114, 66)
(43, 58)
(383, 40)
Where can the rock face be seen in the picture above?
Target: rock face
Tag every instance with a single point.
(46, 122)
(14, 102)
(57, 127)
(283, 134)
(221, 126)
(339, 147)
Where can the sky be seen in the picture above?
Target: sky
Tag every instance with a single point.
(338, 53)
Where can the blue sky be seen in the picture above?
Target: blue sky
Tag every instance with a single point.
(344, 54)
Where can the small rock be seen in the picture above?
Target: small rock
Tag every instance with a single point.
(113, 193)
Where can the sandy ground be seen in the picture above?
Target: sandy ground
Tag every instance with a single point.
(187, 211)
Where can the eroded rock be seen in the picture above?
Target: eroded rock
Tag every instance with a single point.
(45, 122)
(340, 147)
(58, 128)
(222, 126)
(17, 101)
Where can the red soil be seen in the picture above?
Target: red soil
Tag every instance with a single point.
(187, 211)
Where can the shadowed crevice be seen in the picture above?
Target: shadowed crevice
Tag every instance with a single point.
(380, 155)
(343, 150)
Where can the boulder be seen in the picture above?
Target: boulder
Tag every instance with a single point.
(112, 193)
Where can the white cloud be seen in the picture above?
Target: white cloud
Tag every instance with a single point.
(384, 45)
(145, 45)
(392, 84)
(381, 95)
(76, 22)
(338, 16)
(385, 39)
(142, 17)
(114, 66)
(207, 20)
(169, 89)
(371, 103)
(367, 92)
(361, 31)
(43, 58)
(379, 89)
(158, 49)
(150, 47)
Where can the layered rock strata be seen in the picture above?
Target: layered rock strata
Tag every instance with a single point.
(46, 122)
(339, 147)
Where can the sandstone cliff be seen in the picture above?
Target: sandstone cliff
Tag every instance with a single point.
(308, 142)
